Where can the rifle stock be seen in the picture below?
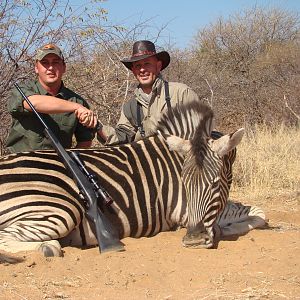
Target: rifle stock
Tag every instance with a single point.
(106, 234)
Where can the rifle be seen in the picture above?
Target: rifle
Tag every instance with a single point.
(106, 234)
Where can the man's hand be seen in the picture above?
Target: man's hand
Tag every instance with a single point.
(86, 117)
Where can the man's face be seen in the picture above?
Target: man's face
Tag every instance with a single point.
(50, 69)
(146, 71)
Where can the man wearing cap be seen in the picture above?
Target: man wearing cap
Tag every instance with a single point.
(60, 107)
(152, 96)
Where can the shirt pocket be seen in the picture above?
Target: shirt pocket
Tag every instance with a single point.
(66, 124)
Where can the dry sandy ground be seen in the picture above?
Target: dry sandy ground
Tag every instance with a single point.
(264, 264)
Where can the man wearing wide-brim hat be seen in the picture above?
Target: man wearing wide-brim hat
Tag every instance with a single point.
(152, 96)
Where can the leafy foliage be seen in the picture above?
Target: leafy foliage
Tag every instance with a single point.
(247, 67)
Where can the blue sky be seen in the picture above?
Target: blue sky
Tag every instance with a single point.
(182, 17)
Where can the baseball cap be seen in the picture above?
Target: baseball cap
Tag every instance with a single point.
(48, 49)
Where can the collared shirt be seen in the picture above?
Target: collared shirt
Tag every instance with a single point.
(27, 133)
(153, 105)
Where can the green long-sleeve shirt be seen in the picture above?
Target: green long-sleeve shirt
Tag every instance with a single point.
(27, 133)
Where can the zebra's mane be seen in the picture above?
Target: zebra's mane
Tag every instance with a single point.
(187, 121)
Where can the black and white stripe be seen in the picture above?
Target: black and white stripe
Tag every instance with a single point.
(159, 183)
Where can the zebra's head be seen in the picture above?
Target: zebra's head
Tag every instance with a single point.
(207, 167)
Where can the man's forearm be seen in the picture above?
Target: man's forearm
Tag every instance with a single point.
(51, 105)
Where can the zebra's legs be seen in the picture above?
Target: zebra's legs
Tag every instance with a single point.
(34, 235)
(239, 219)
(47, 248)
(243, 227)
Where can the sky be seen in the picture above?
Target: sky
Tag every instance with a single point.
(182, 18)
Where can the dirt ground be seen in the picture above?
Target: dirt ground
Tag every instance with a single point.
(264, 264)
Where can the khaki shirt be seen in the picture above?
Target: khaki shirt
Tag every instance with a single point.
(127, 126)
(27, 133)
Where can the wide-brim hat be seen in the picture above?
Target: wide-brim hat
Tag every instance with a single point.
(48, 49)
(145, 49)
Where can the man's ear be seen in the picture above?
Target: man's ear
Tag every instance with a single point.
(35, 68)
(65, 67)
(159, 65)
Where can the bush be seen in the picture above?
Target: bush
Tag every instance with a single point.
(268, 161)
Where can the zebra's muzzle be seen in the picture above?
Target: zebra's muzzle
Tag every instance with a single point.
(197, 240)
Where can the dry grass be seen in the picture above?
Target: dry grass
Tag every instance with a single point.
(268, 162)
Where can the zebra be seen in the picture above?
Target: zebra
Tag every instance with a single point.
(177, 177)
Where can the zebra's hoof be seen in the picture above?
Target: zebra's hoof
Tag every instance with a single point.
(51, 249)
(217, 231)
(197, 241)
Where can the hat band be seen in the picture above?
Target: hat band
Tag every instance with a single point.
(144, 53)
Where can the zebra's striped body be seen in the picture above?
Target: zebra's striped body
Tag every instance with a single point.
(151, 181)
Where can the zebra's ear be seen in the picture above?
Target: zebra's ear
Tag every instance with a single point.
(176, 143)
(227, 142)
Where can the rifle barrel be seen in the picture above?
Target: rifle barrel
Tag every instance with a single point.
(106, 234)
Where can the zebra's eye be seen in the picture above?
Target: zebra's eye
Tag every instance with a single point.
(215, 181)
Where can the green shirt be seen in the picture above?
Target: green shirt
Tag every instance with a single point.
(27, 133)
